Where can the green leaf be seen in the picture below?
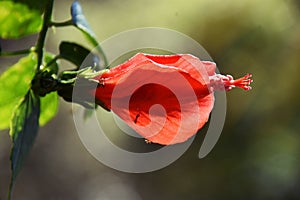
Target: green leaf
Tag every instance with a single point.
(23, 131)
(17, 20)
(14, 84)
(77, 54)
(34, 4)
(49, 106)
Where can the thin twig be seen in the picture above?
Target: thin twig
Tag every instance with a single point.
(19, 52)
(61, 24)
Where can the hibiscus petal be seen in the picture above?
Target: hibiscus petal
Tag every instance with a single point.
(185, 103)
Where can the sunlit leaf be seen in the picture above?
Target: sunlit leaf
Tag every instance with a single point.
(23, 131)
(14, 84)
(49, 106)
(17, 20)
(34, 4)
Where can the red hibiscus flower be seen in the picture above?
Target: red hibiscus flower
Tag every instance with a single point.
(164, 98)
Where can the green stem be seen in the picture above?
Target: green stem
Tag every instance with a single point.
(61, 24)
(19, 52)
(42, 36)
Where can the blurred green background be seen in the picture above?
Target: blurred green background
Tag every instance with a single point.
(258, 153)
